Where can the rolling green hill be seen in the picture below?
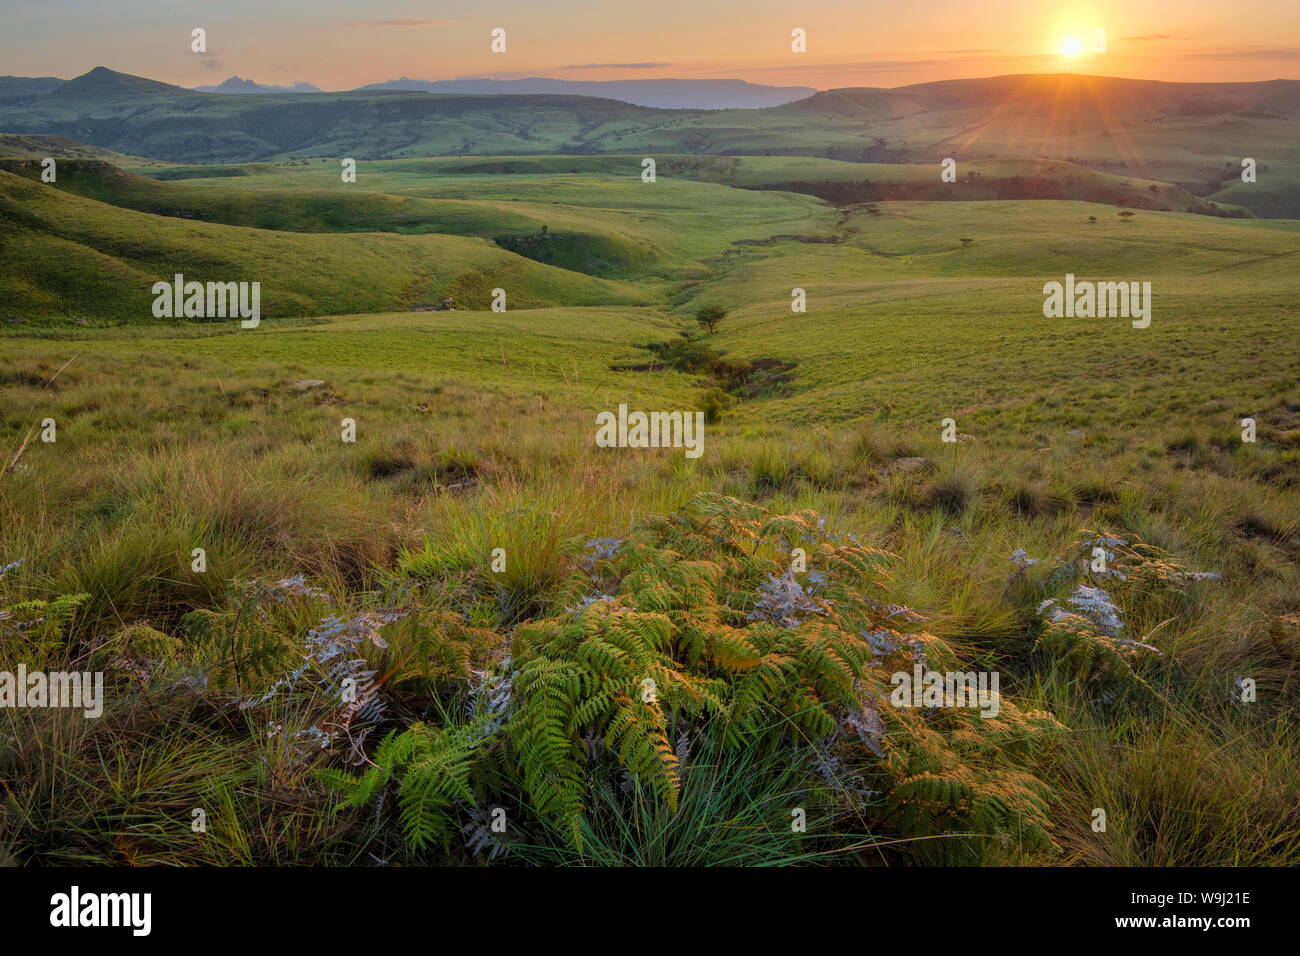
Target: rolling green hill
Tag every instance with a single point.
(1180, 133)
(26, 146)
(472, 231)
(135, 115)
(1276, 193)
(609, 224)
(68, 256)
(902, 298)
(587, 214)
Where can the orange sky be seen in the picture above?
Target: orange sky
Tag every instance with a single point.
(339, 45)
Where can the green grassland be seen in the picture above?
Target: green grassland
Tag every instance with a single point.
(834, 180)
(63, 147)
(74, 257)
(475, 430)
(904, 287)
(1176, 133)
(611, 225)
(1274, 193)
(592, 215)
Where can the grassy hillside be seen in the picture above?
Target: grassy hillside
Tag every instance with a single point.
(844, 183)
(520, 686)
(63, 147)
(611, 225)
(171, 123)
(903, 298)
(835, 181)
(475, 431)
(1276, 191)
(76, 257)
(1170, 132)
(23, 89)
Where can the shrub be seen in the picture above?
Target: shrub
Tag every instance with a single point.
(694, 628)
(953, 493)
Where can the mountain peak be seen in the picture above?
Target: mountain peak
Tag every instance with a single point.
(238, 84)
(103, 83)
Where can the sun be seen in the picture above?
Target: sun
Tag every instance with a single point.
(1072, 46)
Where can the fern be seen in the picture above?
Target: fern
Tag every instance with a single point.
(1099, 659)
(1087, 634)
(703, 602)
(699, 630)
(430, 769)
(39, 625)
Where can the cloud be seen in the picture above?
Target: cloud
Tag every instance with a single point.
(872, 66)
(211, 64)
(404, 22)
(615, 66)
(1245, 54)
(1145, 39)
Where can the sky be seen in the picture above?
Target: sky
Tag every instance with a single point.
(340, 45)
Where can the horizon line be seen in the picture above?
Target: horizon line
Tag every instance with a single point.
(288, 88)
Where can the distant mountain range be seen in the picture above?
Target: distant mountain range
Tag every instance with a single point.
(660, 94)
(1193, 134)
(15, 90)
(237, 85)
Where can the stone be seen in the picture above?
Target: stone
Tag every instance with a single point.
(910, 464)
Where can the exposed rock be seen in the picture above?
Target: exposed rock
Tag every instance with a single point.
(910, 465)
(304, 384)
(448, 304)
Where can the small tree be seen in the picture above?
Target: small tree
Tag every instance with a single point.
(1126, 214)
(966, 242)
(709, 316)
